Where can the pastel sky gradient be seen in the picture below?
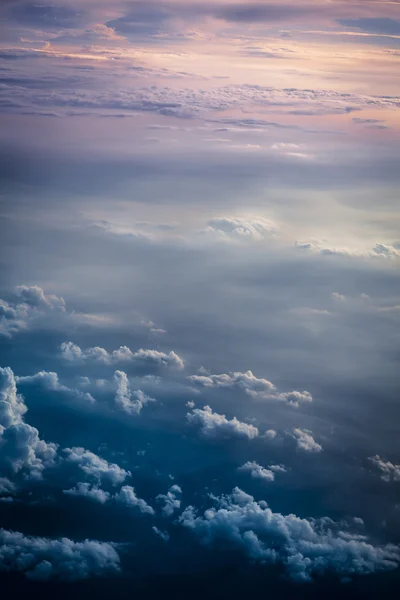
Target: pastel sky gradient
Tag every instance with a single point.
(200, 298)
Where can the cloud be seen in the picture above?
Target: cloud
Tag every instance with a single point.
(241, 228)
(164, 535)
(305, 547)
(7, 486)
(92, 492)
(41, 559)
(389, 471)
(50, 382)
(74, 353)
(305, 440)
(20, 445)
(127, 497)
(32, 303)
(251, 385)
(378, 251)
(215, 426)
(94, 466)
(257, 471)
(185, 103)
(123, 397)
(171, 500)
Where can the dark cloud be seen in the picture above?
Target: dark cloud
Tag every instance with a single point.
(41, 559)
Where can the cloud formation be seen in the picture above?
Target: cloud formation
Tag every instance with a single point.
(215, 426)
(130, 402)
(20, 445)
(389, 471)
(73, 353)
(41, 559)
(94, 466)
(306, 547)
(253, 386)
(257, 471)
(171, 500)
(305, 440)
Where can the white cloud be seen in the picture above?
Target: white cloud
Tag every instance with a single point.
(305, 440)
(123, 397)
(127, 497)
(42, 558)
(215, 426)
(20, 445)
(92, 492)
(304, 546)
(171, 500)
(94, 466)
(257, 471)
(389, 471)
(31, 304)
(251, 385)
(74, 353)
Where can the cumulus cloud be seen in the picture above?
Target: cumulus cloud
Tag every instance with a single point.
(130, 402)
(215, 426)
(141, 357)
(42, 559)
(20, 445)
(127, 497)
(171, 500)
(94, 466)
(251, 385)
(305, 547)
(389, 471)
(51, 382)
(241, 228)
(257, 471)
(92, 492)
(31, 303)
(305, 440)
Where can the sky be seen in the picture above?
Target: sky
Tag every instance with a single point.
(200, 299)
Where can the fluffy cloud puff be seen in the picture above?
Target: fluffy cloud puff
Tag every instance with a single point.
(50, 381)
(253, 386)
(257, 471)
(304, 546)
(305, 440)
(171, 500)
(31, 303)
(74, 353)
(42, 559)
(389, 471)
(130, 402)
(215, 426)
(94, 466)
(92, 492)
(20, 445)
(127, 497)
